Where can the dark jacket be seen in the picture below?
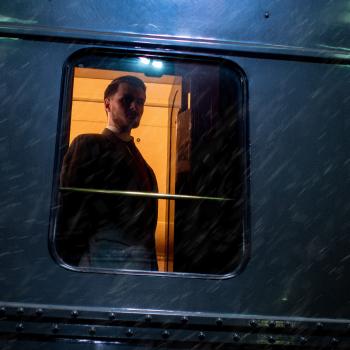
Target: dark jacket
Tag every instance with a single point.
(103, 161)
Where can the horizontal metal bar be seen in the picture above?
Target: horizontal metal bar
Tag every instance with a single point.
(144, 194)
(240, 48)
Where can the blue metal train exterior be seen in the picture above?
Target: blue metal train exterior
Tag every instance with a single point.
(294, 288)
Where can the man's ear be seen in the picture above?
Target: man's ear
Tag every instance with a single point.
(107, 103)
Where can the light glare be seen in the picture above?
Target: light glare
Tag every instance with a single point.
(157, 64)
(144, 60)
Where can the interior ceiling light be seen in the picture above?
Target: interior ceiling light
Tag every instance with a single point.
(157, 64)
(144, 60)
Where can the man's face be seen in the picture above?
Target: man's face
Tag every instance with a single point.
(125, 107)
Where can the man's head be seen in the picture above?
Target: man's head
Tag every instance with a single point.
(124, 100)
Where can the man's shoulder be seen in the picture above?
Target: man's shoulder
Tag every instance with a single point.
(95, 144)
(88, 145)
(88, 139)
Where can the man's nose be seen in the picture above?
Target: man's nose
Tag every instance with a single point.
(133, 105)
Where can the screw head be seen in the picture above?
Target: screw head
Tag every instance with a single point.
(92, 331)
(148, 318)
(201, 336)
(272, 324)
(271, 339)
(184, 320)
(55, 328)
(75, 314)
(129, 333)
(236, 337)
(219, 322)
(303, 340)
(19, 327)
(253, 324)
(319, 325)
(2, 310)
(20, 311)
(267, 14)
(39, 312)
(165, 334)
(335, 341)
(112, 316)
(287, 325)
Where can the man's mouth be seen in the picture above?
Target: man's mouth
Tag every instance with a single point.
(132, 115)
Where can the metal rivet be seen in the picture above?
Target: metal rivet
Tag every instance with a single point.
(75, 314)
(303, 340)
(138, 139)
(129, 333)
(272, 324)
(55, 328)
(253, 323)
(335, 341)
(20, 311)
(267, 14)
(2, 310)
(219, 322)
(236, 337)
(92, 331)
(19, 327)
(271, 339)
(39, 312)
(319, 325)
(111, 316)
(165, 334)
(148, 318)
(201, 336)
(184, 319)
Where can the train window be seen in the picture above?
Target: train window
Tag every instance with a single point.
(152, 166)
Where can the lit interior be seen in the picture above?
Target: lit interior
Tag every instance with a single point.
(154, 137)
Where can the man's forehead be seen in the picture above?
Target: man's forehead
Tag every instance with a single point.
(127, 88)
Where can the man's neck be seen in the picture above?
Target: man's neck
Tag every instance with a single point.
(124, 136)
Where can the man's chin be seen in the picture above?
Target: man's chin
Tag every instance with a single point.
(135, 124)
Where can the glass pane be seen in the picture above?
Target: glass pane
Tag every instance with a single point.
(152, 176)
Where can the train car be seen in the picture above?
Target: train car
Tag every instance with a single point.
(246, 127)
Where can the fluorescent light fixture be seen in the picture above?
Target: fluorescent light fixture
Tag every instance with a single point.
(157, 64)
(144, 60)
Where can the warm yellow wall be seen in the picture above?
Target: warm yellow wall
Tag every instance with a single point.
(88, 116)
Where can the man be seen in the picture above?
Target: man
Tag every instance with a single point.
(104, 230)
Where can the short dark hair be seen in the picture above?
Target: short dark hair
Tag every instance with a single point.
(112, 88)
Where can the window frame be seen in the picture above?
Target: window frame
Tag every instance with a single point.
(62, 144)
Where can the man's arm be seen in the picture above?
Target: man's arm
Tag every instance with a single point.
(75, 223)
(78, 163)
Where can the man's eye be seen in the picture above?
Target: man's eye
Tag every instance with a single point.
(127, 99)
(140, 101)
